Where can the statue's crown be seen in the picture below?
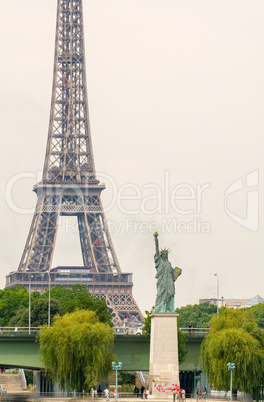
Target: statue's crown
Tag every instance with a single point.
(166, 249)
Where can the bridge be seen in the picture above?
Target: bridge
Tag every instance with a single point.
(19, 347)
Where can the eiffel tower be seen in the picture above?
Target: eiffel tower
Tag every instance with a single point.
(69, 185)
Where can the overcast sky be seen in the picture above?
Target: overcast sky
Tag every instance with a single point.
(176, 97)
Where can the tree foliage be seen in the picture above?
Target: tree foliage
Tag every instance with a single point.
(147, 322)
(39, 313)
(76, 349)
(29, 376)
(79, 297)
(182, 350)
(234, 338)
(10, 301)
(14, 304)
(258, 312)
(127, 378)
(199, 315)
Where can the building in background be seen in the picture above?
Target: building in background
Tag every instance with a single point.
(234, 303)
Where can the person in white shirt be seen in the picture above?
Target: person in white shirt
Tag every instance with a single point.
(106, 392)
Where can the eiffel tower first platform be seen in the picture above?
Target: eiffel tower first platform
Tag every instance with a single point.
(69, 186)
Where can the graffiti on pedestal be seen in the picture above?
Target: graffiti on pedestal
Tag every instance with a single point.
(165, 387)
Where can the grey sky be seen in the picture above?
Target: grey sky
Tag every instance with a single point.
(176, 90)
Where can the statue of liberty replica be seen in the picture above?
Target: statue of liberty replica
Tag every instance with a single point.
(163, 359)
(166, 276)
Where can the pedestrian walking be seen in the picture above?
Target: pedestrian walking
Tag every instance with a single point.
(106, 392)
(142, 392)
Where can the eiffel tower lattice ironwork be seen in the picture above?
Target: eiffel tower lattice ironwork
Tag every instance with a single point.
(69, 185)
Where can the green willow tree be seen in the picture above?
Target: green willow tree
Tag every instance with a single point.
(182, 350)
(258, 312)
(76, 350)
(234, 337)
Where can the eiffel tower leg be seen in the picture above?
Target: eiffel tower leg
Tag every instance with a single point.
(26, 253)
(95, 245)
(98, 251)
(85, 239)
(38, 252)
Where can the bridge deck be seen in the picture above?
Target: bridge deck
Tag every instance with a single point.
(21, 349)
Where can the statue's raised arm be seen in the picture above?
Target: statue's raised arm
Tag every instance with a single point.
(156, 242)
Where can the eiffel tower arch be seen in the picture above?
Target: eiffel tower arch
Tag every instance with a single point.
(69, 185)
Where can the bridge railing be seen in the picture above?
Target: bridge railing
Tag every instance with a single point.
(19, 330)
(195, 331)
(118, 330)
(138, 331)
(23, 378)
(125, 330)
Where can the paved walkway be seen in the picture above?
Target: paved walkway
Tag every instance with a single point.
(32, 397)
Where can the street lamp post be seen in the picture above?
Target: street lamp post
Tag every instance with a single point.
(217, 294)
(116, 367)
(49, 302)
(231, 367)
(29, 303)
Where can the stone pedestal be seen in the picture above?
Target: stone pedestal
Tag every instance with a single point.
(163, 360)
